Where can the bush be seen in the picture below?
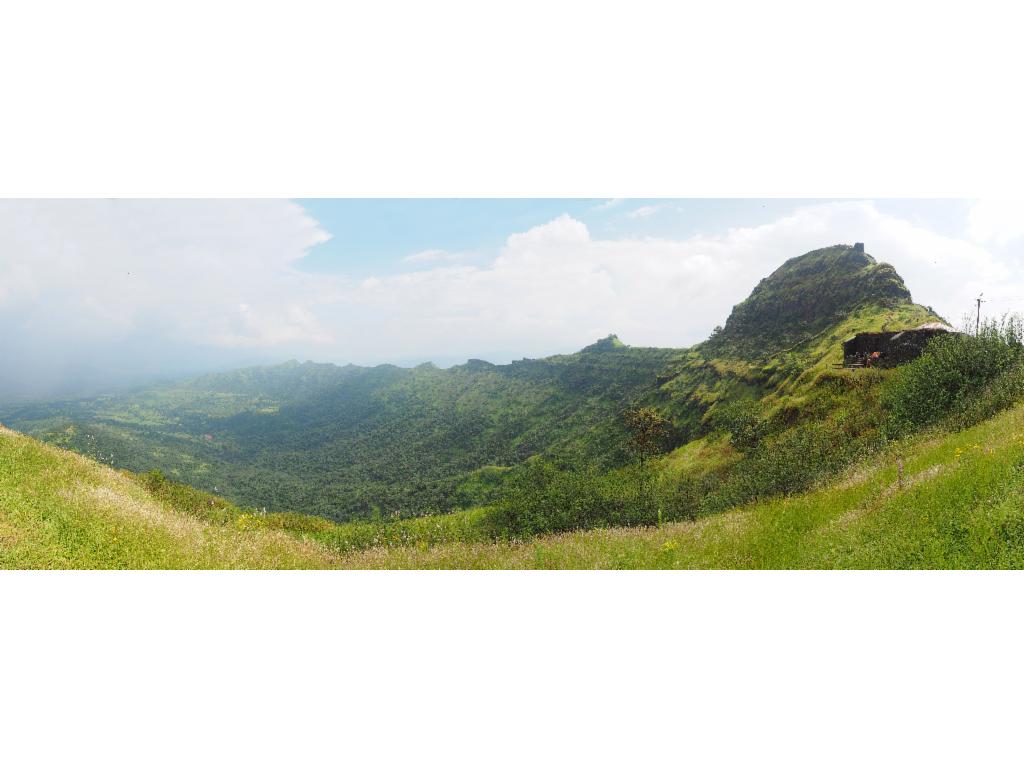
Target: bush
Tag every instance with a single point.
(1004, 391)
(792, 461)
(648, 430)
(546, 497)
(743, 421)
(952, 369)
(681, 498)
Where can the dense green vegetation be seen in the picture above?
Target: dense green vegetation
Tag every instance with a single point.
(358, 443)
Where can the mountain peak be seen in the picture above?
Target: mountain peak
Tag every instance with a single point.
(804, 296)
(611, 341)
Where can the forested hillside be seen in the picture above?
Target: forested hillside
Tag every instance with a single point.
(356, 442)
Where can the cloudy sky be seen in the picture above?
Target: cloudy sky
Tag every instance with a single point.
(99, 293)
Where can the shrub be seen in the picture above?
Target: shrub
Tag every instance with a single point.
(743, 421)
(546, 497)
(681, 498)
(1003, 392)
(952, 369)
(552, 495)
(790, 462)
(648, 432)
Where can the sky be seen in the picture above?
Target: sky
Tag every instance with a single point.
(97, 294)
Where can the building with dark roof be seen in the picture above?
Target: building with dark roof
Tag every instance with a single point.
(885, 349)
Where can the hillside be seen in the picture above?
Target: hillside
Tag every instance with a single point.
(365, 443)
(349, 442)
(777, 343)
(61, 510)
(960, 505)
(805, 296)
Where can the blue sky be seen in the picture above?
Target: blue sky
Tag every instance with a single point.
(375, 236)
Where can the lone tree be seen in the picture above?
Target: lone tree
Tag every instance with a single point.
(648, 431)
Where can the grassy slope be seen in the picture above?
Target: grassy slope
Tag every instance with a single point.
(61, 510)
(782, 379)
(962, 506)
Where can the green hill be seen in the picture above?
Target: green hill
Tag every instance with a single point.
(779, 342)
(806, 296)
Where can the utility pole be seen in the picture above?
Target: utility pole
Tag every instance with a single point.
(977, 319)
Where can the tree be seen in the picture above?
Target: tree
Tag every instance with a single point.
(648, 431)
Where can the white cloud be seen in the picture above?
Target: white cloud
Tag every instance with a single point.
(611, 203)
(106, 283)
(644, 211)
(162, 285)
(996, 221)
(220, 270)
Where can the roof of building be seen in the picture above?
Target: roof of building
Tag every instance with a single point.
(869, 333)
(935, 327)
(896, 334)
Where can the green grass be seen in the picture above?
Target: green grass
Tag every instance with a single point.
(757, 410)
(705, 454)
(60, 510)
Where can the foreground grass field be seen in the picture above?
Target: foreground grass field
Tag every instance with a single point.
(61, 510)
(960, 504)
